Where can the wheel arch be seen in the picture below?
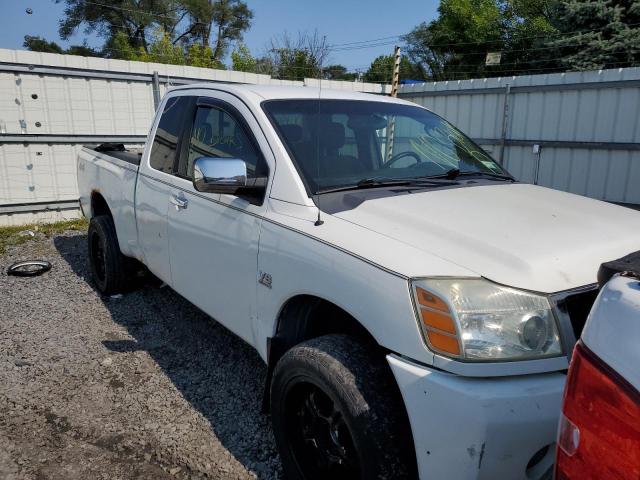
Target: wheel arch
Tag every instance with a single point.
(99, 205)
(303, 317)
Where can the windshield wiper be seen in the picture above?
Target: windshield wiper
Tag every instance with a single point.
(488, 174)
(369, 183)
(374, 182)
(455, 173)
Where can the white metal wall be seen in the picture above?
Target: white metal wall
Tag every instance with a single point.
(586, 123)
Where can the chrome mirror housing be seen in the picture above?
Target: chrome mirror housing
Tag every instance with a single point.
(219, 175)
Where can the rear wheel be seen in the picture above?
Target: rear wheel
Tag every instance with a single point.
(337, 413)
(112, 272)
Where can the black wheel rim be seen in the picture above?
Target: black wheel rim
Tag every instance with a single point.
(98, 257)
(30, 268)
(318, 435)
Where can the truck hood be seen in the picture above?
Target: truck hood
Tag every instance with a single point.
(520, 235)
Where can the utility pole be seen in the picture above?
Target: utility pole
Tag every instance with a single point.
(155, 85)
(395, 81)
(396, 72)
(505, 123)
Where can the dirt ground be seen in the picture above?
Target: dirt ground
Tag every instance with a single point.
(139, 386)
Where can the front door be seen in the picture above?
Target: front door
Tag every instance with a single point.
(213, 238)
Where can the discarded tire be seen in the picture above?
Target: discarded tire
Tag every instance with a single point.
(29, 268)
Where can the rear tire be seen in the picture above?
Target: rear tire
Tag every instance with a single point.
(112, 272)
(337, 413)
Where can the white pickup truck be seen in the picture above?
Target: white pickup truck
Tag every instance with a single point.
(415, 305)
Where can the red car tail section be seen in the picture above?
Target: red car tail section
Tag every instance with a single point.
(599, 434)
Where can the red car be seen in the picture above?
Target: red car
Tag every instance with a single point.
(599, 433)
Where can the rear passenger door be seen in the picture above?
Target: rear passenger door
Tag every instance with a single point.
(153, 188)
(213, 238)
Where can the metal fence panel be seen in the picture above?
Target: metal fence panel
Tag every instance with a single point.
(36, 173)
(587, 125)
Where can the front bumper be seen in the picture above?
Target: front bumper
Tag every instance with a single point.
(480, 428)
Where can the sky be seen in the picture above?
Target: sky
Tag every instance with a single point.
(341, 21)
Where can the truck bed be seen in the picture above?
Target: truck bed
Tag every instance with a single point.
(109, 172)
(119, 151)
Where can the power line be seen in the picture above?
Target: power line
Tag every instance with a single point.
(550, 36)
(372, 45)
(133, 10)
(364, 41)
(508, 72)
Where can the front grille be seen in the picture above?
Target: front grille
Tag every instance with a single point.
(578, 306)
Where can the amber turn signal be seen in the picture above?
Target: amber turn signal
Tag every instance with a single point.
(438, 323)
(428, 299)
(443, 343)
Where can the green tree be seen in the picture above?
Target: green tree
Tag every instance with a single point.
(39, 44)
(242, 60)
(455, 45)
(226, 19)
(295, 59)
(529, 28)
(295, 64)
(136, 19)
(598, 34)
(265, 65)
(162, 50)
(199, 56)
(210, 23)
(338, 72)
(123, 49)
(381, 70)
(83, 50)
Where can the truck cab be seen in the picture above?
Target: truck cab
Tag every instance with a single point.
(416, 306)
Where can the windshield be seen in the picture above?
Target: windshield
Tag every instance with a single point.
(339, 143)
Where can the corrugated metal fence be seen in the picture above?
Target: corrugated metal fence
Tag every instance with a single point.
(578, 131)
(50, 105)
(585, 125)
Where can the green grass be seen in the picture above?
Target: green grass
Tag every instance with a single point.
(11, 235)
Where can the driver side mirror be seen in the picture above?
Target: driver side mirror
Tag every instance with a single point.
(219, 175)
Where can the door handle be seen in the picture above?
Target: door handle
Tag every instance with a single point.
(179, 201)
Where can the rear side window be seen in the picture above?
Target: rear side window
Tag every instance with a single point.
(165, 143)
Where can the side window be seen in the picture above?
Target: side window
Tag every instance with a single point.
(216, 133)
(165, 143)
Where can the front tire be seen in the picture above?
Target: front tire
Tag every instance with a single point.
(111, 270)
(337, 413)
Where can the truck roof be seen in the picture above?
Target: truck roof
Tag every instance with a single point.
(278, 92)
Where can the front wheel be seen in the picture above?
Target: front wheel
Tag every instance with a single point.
(337, 413)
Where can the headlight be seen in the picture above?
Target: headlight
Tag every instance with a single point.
(477, 320)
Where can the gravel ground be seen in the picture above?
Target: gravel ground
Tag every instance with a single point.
(142, 386)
